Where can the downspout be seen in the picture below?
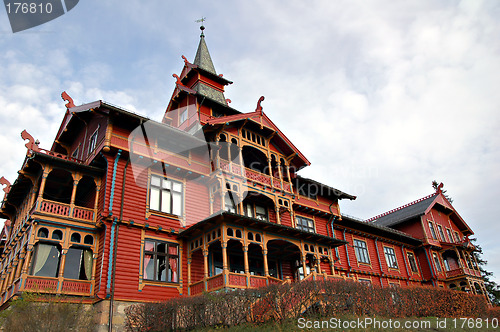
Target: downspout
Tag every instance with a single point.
(105, 227)
(430, 265)
(347, 255)
(113, 180)
(331, 221)
(111, 301)
(379, 263)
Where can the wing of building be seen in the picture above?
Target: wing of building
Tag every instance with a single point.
(127, 209)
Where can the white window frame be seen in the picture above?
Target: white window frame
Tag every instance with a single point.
(93, 140)
(166, 195)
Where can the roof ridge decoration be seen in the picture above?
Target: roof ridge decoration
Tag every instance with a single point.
(6, 183)
(401, 207)
(66, 97)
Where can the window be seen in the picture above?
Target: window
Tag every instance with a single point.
(361, 251)
(450, 238)
(161, 261)
(457, 238)
(446, 264)
(229, 204)
(436, 262)
(46, 263)
(413, 262)
(183, 117)
(165, 195)
(255, 211)
(433, 232)
(305, 224)
(390, 257)
(76, 152)
(93, 141)
(441, 233)
(78, 264)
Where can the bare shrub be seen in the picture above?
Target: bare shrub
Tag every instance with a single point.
(34, 313)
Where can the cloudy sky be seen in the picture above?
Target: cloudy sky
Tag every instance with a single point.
(381, 96)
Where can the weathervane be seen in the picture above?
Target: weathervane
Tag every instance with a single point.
(201, 20)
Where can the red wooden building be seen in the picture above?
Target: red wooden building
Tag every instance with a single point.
(125, 209)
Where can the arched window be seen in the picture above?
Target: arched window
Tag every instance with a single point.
(78, 265)
(57, 235)
(230, 232)
(43, 232)
(58, 186)
(76, 237)
(46, 260)
(89, 239)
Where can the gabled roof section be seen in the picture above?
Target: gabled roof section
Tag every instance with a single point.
(419, 208)
(405, 212)
(202, 58)
(261, 119)
(377, 230)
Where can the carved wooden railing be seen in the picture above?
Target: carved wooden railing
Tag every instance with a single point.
(197, 287)
(76, 287)
(462, 271)
(215, 282)
(41, 284)
(237, 280)
(63, 209)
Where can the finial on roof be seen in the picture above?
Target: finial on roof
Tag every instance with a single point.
(259, 106)
(201, 20)
(440, 188)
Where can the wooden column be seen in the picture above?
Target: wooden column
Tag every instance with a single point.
(247, 267)
(304, 263)
(205, 266)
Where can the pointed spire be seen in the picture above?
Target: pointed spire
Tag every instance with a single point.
(202, 58)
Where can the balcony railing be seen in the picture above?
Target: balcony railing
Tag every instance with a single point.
(53, 285)
(254, 176)
(239, 280)
(65, 210)
(462, 271)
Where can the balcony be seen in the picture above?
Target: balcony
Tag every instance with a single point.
(463, 271)
(49, 207)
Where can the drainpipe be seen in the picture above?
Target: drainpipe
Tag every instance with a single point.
(379, 263)
(111, 301)
(430, 265)
(347, 255)
(113, 180)
(331, 221)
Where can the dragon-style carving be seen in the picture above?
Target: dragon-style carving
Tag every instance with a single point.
(67, 98)
(228, 101)
(6, 183)
(178, 79)
(32, 144)
(440, 188)
(186, 62)
(259, 107)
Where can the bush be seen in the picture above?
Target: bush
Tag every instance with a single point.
(31, 314)
(308, 298)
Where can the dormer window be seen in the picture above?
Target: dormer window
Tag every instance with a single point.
(183, 117)
(93, 141)
(256, 211)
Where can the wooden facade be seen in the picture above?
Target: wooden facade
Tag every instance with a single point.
(126, 208)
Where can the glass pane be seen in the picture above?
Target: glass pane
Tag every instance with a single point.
(166, 184)
(173, 275)
(165, 202)
(155, 181)
(149, 246)
(47, 261)
(161, 269)
(176, 204)
(172, 249)
(177, 186)
(162, 247)
(72, 264)
(260, 210)
(148, 272)
(154, 199)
